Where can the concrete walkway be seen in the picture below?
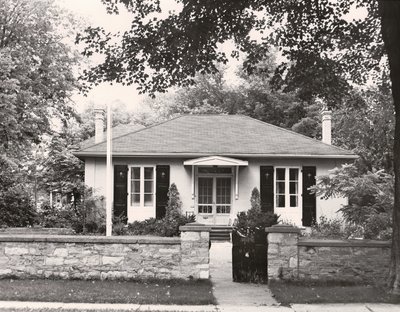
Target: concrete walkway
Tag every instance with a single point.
(225, 290)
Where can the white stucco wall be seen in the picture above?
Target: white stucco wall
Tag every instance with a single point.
(249, 177)
(95, 176)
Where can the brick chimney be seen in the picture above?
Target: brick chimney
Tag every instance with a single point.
(327, 126)
(98, 125)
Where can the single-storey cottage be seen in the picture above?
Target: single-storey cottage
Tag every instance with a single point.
(215, 161)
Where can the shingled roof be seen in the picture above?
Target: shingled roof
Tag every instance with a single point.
(223, 135)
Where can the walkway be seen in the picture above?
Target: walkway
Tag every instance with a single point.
(225, 290)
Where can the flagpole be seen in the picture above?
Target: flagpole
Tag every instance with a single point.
(109, 177)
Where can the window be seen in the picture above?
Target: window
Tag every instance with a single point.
(142, 186)
(218, 170)
(223, 195)
(205, 195)
(286, 187)
(280, 187)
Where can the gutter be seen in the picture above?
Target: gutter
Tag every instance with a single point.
(188, 155)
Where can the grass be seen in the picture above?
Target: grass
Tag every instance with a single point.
(291, 292)
(181, 292)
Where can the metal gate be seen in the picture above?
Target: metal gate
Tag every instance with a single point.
(249, 257)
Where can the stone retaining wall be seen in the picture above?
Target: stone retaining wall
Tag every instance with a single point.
(99, 257)
(356, 261)
(290, 256)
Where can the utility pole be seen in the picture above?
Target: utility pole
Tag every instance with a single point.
(109, 176)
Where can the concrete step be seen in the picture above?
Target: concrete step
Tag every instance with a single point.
(220, 233)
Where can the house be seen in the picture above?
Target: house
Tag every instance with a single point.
(215, 161)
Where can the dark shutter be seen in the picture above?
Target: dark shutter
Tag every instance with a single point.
(162, 187)
(309, 200)
(267, 188)
(120, 191)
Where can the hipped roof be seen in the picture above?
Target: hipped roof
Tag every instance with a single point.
(223, 135)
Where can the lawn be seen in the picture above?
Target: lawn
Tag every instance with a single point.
(180, 292)
(291, 292)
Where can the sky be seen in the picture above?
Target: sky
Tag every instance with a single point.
(93, 12)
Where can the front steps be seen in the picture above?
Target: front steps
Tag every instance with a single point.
(221, 233)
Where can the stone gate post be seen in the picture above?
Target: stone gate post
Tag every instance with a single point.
(195, 254)
(282, 251)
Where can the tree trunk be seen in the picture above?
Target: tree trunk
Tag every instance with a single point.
(390, 20)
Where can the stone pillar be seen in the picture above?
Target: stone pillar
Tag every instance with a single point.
(282, 251)
(195, 254)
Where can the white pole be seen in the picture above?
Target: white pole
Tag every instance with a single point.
(109, 175)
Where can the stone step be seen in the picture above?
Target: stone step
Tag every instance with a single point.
(220, 233)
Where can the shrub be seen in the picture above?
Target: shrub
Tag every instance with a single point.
(254, 219)
(167, 226)
(83, 216)
(49, 216)
(16, 207)
(371, 198)
(328, 228)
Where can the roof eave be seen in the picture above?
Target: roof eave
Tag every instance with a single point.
(83, 154)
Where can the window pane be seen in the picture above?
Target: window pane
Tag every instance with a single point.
(294, 174)
(280, 187)
(205, 190)
(223, 190)
(293, 201)
(135, 173)
(280, 173)
(148, 200)
(135, 199)
(280, 200)
(148, 173)
(135, 186)
(205, 209)
(223, 209)
(222, 170)
(148, 186)
(293, 187)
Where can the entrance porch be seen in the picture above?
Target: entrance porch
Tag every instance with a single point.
(215, 188)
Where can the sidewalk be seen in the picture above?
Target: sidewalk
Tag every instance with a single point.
(58, 306)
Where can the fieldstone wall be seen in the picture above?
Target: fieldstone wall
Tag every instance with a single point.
(290, 256)
(356, 261)
(99, 257)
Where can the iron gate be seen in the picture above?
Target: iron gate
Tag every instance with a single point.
(249, 257)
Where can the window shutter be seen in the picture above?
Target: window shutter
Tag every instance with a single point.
(267, 188)
(120, 191)
(162, 188)
(309, 200)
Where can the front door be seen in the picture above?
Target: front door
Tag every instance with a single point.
(214, 200)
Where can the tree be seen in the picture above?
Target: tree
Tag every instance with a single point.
(365, 124)
(36, 71)
(370, 198)
(159, 52)
(36, 81)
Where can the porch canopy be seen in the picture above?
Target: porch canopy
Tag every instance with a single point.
(216, 161)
